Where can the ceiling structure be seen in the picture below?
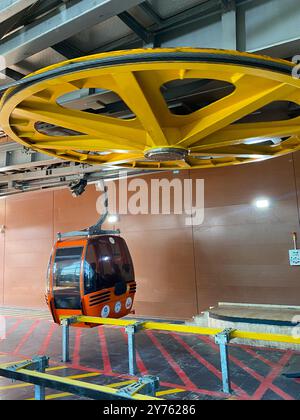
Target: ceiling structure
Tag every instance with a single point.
(35, 34)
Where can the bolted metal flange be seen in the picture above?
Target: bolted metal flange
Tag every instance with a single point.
(166, 154)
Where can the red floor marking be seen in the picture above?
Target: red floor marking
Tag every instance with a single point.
(266, 349)
(251, 372)
(26, 336)
(238, 362)
(208, 365)
(76, 351)
(268, 382)
(259, 357)
(124, 376)
(185, 379)
(105, 355)
(140, 364)
(45, 345)
(162, 383)
(13, 327)
(195, 389)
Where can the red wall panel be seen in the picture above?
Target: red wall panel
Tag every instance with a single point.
(238, 254)
(242, 251)
(28, 242)
(2, 249)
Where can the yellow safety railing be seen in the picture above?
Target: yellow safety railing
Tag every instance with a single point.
(18, 371)
(222, 338)
(187, 329)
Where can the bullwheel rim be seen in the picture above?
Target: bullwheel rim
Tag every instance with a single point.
(152, 136)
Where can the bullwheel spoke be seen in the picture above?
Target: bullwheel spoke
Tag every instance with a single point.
(158, 109)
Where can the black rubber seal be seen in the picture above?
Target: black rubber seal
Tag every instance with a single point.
(198, 57)
(256, 321)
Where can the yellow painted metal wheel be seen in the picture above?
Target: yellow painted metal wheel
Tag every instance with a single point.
(218, 132)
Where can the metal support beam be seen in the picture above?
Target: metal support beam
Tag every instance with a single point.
(41, 8)
(166, 26)
(229, 26)
(11, 23)
(136, 27)
(148, 9)
(194, 14)
(228, 5)
(131, 330)
(41, 364)
(68, 50)
(118, 44)
(13, 74)
(9, 8)
(65, 323)
(26, 372)
(61, 24)
(223, 339)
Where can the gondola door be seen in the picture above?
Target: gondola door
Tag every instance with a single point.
(65, 279)
(109, 284)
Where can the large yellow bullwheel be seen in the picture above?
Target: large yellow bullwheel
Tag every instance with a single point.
(153, 136)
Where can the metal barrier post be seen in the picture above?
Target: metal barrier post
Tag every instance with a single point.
(65, 323)
(131, 330)
(41, 364)
(151, 385)
(223, 339)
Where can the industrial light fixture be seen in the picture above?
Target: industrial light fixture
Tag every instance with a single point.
(262, 203)
(113, 218)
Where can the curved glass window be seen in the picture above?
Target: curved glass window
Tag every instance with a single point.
(66, 277)
(48, 275)
(115, 264)
(90, 271)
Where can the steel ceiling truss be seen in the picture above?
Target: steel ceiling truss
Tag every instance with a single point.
(64, 22)
(49, 174)
(9, 8)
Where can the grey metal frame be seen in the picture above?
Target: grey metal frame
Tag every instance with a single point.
(62, 23)
(9, 8)
(222, 340)
(147, 385)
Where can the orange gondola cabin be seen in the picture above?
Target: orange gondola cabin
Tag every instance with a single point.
(90, 275)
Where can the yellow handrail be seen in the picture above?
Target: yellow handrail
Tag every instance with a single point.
(188, 329)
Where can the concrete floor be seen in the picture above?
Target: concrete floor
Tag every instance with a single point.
(188, 366)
